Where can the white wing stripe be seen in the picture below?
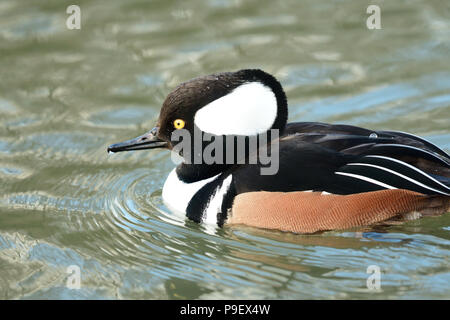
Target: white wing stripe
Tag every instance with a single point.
(412, 167)
(420, 138)
(215, 202)
(373, 181)
(408, 147)
(400, 175)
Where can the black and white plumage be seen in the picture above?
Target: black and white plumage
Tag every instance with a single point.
(313, 157)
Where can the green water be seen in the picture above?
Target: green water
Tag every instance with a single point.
(65, 95)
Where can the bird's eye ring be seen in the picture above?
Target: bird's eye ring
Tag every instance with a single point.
(178, 124)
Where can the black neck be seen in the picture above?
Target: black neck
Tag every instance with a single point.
(189, 173)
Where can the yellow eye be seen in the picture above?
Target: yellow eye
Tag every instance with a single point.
(178, 124)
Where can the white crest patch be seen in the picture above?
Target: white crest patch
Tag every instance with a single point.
(249, 109)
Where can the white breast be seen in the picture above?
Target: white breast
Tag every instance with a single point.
(176, 195)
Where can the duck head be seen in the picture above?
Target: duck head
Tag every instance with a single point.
(245, 103)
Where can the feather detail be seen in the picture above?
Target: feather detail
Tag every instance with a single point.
(310, 212)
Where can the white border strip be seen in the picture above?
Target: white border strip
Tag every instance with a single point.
(412, 167)
(410, 147)
(420, 139)
(400, 175)
(373, 181)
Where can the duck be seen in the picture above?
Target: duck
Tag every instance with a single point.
(326, 177)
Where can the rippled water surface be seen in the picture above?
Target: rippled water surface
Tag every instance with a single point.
(66, 94)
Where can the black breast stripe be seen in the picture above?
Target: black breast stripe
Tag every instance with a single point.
(199, 203)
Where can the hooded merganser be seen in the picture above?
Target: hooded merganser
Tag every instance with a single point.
(328, 176)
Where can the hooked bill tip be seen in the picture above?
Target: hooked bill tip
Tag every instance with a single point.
(110, 151)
